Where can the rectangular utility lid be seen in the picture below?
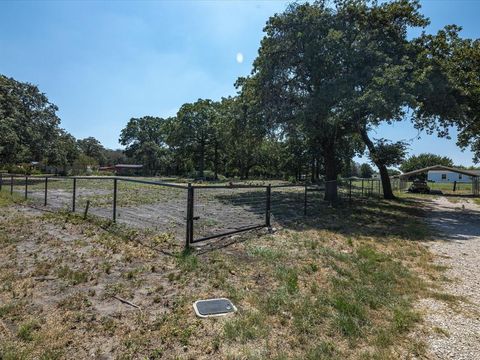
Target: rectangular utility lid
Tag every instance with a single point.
(213, 307)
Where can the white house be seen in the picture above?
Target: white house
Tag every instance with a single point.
(445, 176)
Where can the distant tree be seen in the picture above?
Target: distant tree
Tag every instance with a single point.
(92, 148)
(113, 157)
(145, 139)
(195, 130)
(366, 171)
(82, 163)
(351, 170)
(243, 133)
(424, 160)
(393, 172)
(63, 151)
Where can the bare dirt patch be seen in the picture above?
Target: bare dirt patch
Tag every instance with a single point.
(163, 209)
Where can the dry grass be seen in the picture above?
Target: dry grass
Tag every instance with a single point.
(339, 286)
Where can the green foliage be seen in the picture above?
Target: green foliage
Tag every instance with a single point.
(366, 171)
(145, 140)
(92, 148)
(388, 153)
(451, 96)
(29, 128)
(28, 123)
(424, 160)
(326, 73)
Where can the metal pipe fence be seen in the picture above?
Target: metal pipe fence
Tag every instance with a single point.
(476, 186)
(195, 213)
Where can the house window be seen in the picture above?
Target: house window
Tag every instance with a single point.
(444, 176)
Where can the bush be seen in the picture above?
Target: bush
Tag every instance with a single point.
(208, 175)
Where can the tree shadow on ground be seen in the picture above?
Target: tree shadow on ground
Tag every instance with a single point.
(455, 224)
(403, 218)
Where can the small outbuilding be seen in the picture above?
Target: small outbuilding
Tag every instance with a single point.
(123, 169)
(444, 174)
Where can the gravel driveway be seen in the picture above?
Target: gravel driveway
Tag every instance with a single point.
(457, 247)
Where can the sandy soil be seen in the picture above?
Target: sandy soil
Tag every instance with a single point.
(215, 212)
(456, 332)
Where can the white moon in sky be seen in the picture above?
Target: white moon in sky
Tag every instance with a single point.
(239, 58)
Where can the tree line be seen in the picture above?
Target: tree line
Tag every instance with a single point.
(30, 132)
(326, 74)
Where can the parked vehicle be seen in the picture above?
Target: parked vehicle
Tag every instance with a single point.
(420, 187)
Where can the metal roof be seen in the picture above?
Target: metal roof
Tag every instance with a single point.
(440, 168)
(132, 166)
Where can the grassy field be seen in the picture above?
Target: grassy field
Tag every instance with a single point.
(338, 286)
(447, 188)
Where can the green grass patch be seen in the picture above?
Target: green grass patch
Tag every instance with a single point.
(7, 199)
(265, 253)
(74, 277)
(249, 326)
(26, 330)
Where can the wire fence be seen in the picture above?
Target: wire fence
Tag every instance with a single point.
(465, 188)
(194, 213)
(224, 210)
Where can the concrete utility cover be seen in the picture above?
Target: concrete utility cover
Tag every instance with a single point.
(213, 307)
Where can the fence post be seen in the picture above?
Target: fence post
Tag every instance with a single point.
(305, 201)
(362, 187)
(189, 232)
(46, 191)
(26, 187)
(350, 190)
(11, 185)
(268, 207)
(1, 181)
(115, 200)
(74, 193)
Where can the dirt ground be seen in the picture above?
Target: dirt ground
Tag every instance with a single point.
(337, 286)
(457, 246)
(215, 211)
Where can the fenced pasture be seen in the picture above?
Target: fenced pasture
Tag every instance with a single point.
(460, 189)
(191, 213)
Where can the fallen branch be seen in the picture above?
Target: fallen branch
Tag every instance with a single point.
(7, 330)
(44, 278)
(126, 302)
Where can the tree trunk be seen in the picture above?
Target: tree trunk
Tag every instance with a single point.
(202, 162)
(387, 186)
(215, 165)
(331, 192)
(313, 169)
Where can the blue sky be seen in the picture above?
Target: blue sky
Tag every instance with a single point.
(102, 63)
